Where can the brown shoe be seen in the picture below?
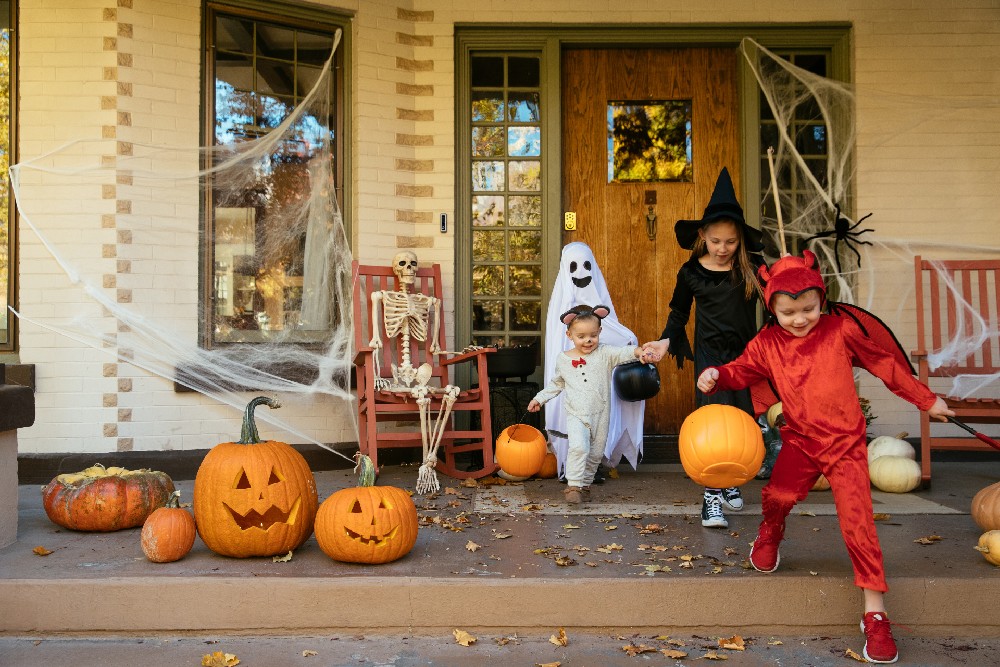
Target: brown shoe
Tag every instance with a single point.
(574, 495)
(585, 491)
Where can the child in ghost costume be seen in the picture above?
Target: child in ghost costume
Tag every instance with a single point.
(580, 281)
(583, 377)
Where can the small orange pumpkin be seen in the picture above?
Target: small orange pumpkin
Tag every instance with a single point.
(168, 533)
(253, 497)
(550, 466)
(520, 450)
(986, 507)
(103, 499)
(367, 523)
(720, 446)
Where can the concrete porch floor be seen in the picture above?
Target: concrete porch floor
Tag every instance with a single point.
(641, 563)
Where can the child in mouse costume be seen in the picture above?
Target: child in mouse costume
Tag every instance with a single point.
(808, 358)
(583, 377)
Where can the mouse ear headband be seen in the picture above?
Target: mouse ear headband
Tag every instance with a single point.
(599, 311)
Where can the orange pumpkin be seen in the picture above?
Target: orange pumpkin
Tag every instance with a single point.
(986, 507)
(168, 533)
(822, 484)
(520, 450)
(367, 523)
(720, 446)
(253, 497)
(550, 466)
(105, 499)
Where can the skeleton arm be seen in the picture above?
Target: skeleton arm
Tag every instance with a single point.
(376, 341)
(435, 303)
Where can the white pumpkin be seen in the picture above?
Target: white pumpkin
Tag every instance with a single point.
(510, 478)
(989, 546)
(895, 474)
(773, 413)
(887, 445)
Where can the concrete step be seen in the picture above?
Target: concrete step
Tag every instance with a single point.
(642, 563)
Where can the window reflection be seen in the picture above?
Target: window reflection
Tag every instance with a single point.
(649, 141)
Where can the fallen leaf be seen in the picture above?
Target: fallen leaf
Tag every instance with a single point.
(469, 483)
(448, 491)
(734, 643)
(775, 642)
(611, 528)
(881, 516)
(472, 546)
(464, 638)
(613, 473)
(713, 655)
(676, 642)
(807, 513)
(851, 654)
(634, 650)
(570, 526)
(561, 639)
(928, 539)
(307, 653)
(565, 561)
(41, 551)
(533, 507)
(219, 659)
(282, 559)
(813, 573)
(502, 536)
(548, 664)
(673, 653)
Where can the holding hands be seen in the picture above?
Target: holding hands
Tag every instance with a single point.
(655, 350)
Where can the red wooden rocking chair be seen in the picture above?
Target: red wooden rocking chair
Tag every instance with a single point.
(379, 406)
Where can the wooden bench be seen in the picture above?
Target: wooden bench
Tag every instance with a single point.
(957, 301)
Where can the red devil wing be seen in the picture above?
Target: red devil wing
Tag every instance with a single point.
(875, 329)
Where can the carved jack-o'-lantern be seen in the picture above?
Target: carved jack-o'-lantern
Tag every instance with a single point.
(366, 523)
(254, 498)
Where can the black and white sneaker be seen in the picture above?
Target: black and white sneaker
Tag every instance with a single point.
(711, 511)
(732, 499)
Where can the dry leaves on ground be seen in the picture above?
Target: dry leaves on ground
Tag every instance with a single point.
(561, 639)
(464, 638)
(734, 643)
(307, 653)
(635, 649)
(851, 654)
(219, 659)
(41, 551)
(928, 539)
(472, 546)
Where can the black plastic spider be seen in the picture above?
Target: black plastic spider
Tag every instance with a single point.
(843, 230)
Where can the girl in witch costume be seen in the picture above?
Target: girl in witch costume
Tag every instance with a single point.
(719, 279)
(583, 376)
(808, 359)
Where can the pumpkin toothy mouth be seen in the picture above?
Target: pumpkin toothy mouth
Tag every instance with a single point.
(254, 519)
(374, 541)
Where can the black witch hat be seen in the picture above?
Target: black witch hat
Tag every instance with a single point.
(722, 206)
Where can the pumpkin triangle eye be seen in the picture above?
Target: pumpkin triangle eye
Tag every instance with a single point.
(356, 509)
(243, 482)
(275, 477)
(382, 505)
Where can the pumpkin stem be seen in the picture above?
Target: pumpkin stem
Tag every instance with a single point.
(367, 475)
(249, 435)
(174, 500)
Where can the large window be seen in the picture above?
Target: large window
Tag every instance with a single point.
(8, 228)
(261, 68)
(506, 175)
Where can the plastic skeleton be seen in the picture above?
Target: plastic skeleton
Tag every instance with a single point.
(407, 314)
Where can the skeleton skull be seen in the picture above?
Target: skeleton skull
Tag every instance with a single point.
(404, 265)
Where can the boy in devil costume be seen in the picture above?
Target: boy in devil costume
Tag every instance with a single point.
(808, 359)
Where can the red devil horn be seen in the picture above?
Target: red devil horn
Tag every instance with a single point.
(763, 273)
(809, 259)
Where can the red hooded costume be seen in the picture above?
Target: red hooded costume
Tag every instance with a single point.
(824, 430)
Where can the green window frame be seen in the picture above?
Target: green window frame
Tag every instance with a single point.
(8, 156)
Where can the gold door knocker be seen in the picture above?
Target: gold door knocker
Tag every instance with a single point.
(651, 223)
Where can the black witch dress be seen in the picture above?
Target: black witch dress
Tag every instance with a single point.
(725, 321)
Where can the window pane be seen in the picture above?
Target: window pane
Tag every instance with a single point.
(487, 315)
(487, 246)
(306, 78)
(233, 34)
(487, 107)
(811, 140)
(275, 41)
(525, 315)
(487, 281)
(525, 246)
(275, 77)
(234, 71)
(525, 211)
(313, 48)
(487, 142)
(487, 72)
(487, 211)
(487, 176)
(7, 100)
(525, 280)
(525, 175)
(523, 73)
(523, 108)
(524, 141)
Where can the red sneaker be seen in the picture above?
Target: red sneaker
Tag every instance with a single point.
(764, 556)
(879, 644)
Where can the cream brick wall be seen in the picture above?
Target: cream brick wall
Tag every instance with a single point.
(128, 71)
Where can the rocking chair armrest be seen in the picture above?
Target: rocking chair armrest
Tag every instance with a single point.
(918, 355)
(362, 354)
(467, 356)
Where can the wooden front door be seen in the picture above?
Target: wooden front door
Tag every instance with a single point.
(612, 217)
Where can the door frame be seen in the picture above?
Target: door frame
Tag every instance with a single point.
(549, 41)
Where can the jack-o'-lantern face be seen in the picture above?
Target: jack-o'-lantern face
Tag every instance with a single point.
(254, 499)
(367, 524)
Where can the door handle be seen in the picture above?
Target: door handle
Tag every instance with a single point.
(651, 223)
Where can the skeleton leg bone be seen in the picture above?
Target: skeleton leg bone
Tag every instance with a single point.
(427, 480)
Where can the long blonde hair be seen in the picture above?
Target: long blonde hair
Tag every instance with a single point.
(743, 269)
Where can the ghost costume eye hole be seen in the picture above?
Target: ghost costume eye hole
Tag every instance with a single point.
(572, 267)
(586, 265)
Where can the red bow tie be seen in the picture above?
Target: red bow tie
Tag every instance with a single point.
(579, 362)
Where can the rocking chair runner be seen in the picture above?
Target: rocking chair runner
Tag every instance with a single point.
(378, 406)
